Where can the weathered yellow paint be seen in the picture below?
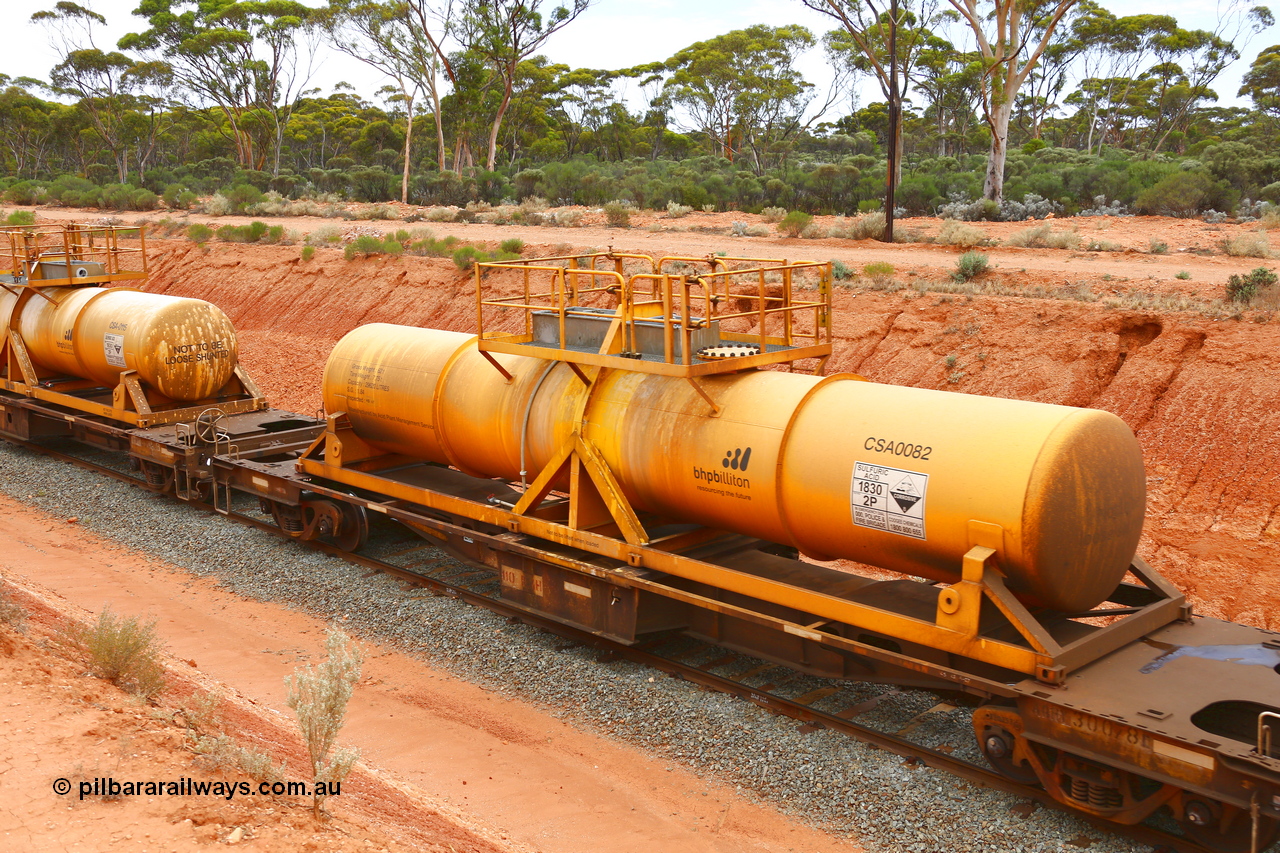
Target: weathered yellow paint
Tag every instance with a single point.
(185, 349)
(1063, 487)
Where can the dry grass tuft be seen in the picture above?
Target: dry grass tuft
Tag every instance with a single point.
(124, 651)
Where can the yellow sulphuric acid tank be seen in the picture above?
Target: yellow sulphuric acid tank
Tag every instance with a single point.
(836, 466)
(183, 348)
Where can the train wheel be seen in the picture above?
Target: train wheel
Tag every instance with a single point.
(1225, 828)
(998, 729)
(353, 529)
(1000, 748)
(340, 523)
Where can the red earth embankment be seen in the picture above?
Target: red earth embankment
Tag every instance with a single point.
(1203, 395)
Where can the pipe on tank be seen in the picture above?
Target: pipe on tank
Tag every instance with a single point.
(183, 348)
(835, 466)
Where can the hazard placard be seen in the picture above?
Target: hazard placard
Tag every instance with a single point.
(889, 499)
(113, 349)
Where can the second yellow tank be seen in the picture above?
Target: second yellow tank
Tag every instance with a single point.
(836, 466)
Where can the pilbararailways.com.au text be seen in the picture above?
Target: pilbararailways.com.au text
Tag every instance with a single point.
(188, 787)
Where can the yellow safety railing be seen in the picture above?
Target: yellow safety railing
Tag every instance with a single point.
(782, 324)
(35, 251)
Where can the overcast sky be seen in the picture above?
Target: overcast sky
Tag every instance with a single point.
(611, 34)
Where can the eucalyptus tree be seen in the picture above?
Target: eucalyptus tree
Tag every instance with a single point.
(1012, 36)
(1262, 83)
(742, 88)
(121, 97)
(584, 98)
(402, 39)
(27, 128)
(250, 59)
(950, 84)
(1113, 51)
(503, 34)
(1189, 61)
(862, 44)
(1038, 96)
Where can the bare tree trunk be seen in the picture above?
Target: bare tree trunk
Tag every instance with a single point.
(497, 122)
(993, 186)
(408, 141)
(440, 148)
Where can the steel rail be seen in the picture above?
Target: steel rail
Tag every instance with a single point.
(1158, 839)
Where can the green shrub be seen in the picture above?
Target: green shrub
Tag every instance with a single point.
(255, 231)
(143, 199)
(1183, 275)
(1183, 193)
(970, 266)
(392, 246)
(241, 196)
(794, 223)
(1244, 289)
(20, 217)
(198, 232)
(464, 257)
(117, 197)
(123, 651)
(429, 246)
(1158, 247)
(365, 244)
(69, 189)
(617, 214)
(231, 234)
(172, 196)
(840, 270)
(880, 272)
(513, 246)
(308, 252)
(274, 234)
(25, 192)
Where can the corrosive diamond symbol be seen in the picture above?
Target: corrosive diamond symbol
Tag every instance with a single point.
(905, 494)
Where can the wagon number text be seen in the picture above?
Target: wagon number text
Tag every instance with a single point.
(897, 448)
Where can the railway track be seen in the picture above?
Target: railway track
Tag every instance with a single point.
(831, 706)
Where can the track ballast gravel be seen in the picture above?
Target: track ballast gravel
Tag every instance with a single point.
(837, 784)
